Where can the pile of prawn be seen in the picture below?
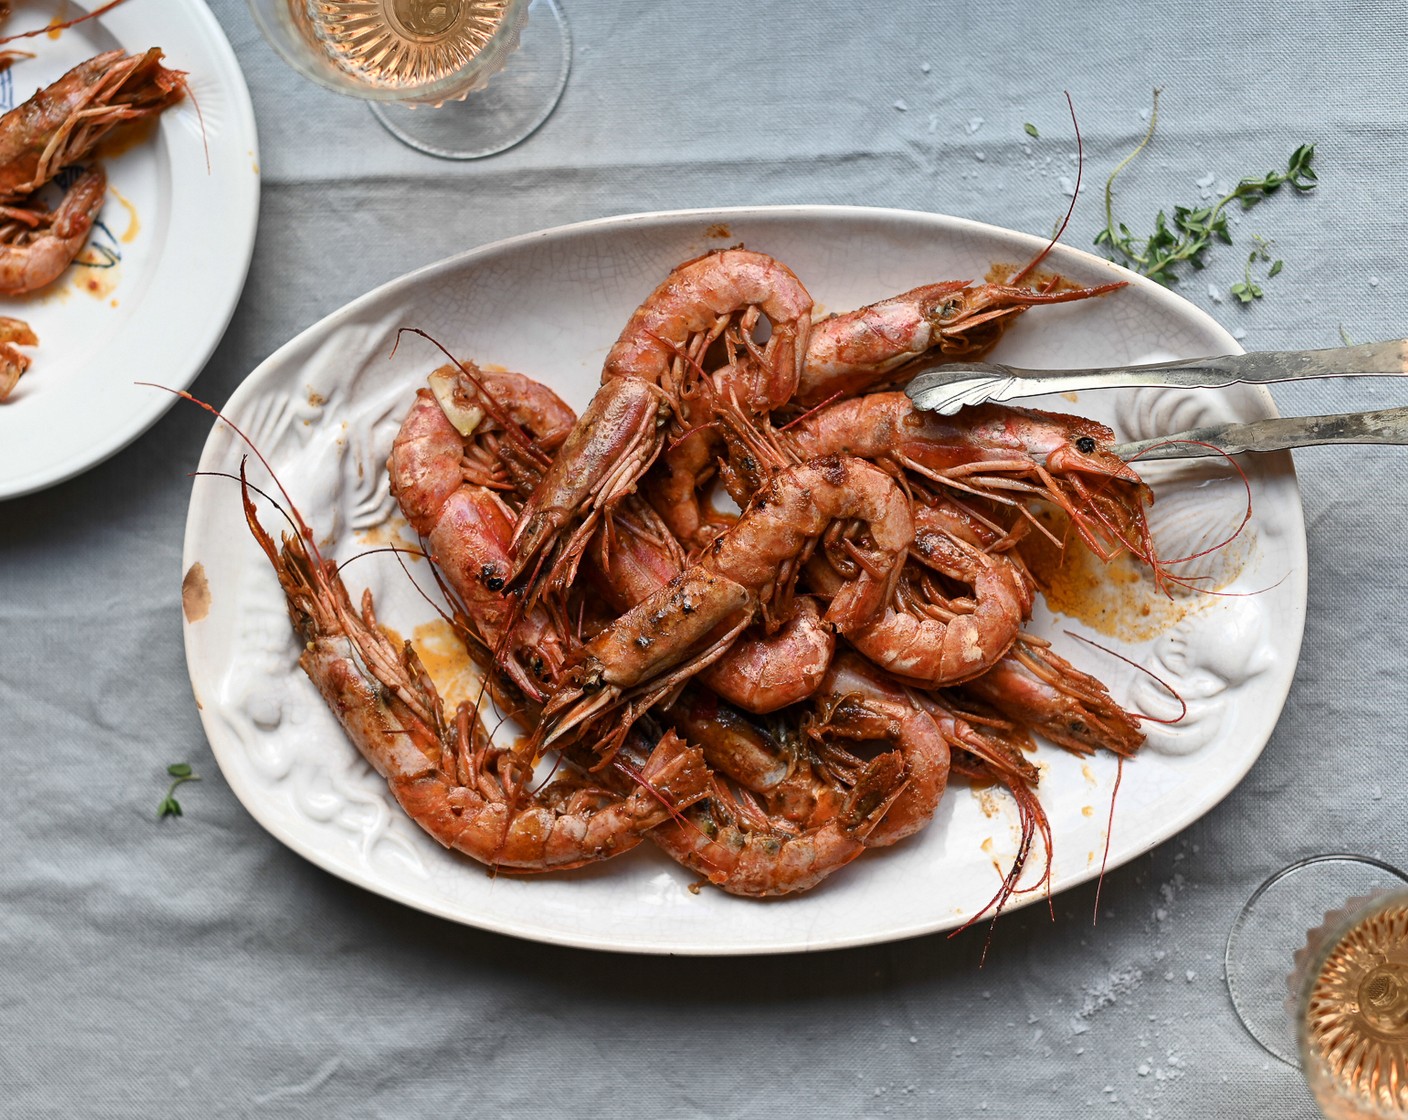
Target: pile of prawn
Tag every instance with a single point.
(764, 694)
(52, 138)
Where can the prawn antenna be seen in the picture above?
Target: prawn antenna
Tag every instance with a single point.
(1109, 831)
(292, 513)
(1080, 170)
(54, 28)
(511, 427)
(1183, 704)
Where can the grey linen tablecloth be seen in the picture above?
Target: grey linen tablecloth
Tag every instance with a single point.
(196, 967)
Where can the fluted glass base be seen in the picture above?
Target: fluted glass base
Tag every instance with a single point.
(513, 105)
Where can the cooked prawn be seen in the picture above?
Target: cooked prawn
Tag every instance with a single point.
(931, 638)
(62, 123)
(32, 257)
(1041, 689)
(859, 702)
(1000, 453)
(13, 332)
(620, 434)
(449, 778)
(941, 322)
(737, 851)
(468, 527)
(762, 671)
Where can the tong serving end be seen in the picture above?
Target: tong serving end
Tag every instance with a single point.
(957, 385)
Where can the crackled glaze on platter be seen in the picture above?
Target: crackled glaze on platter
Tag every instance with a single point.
(326, 407)
(181, 213)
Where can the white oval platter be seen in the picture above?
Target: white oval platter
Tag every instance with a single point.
(325, 407)
(167, 259)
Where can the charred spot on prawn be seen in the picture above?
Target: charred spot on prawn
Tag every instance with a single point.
(831, 469)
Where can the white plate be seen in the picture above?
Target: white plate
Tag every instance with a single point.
(325, 407)
(184, 234)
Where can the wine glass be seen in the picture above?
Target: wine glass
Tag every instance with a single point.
(1317, 967)
(438, 73)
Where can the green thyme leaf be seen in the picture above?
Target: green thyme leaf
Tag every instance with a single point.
(1030, 130)
(170, 807)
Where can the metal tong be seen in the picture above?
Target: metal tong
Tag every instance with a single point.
(949, 388)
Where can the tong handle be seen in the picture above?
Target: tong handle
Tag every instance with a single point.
(1370, 359)
(1386, 426)
(949, 386)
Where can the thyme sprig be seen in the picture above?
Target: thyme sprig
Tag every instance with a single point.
(1186, 237)
(1249, 289)
(181, 772)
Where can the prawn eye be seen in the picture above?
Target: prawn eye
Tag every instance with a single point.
(1085, 445)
